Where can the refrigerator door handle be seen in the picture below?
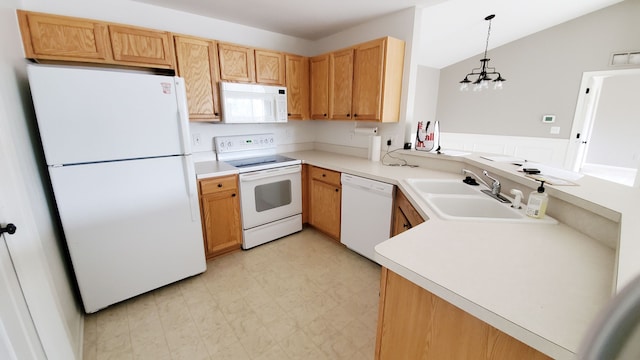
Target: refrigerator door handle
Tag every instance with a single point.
(192, 191)
(183, 115)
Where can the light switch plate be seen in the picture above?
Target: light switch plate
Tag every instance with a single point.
(555, 130)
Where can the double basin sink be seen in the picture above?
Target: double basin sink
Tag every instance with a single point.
(455, 200)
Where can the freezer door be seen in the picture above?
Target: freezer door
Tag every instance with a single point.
(130, 226)
(89, 115)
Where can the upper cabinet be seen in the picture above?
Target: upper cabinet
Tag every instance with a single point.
(142, 47)
(197, 64)
(245, 64)
(319, 87)
(297, 82)
(340, 84)
(377, 80)
(364, 82)
(63, 38)
(237, 63)
(53, 37)
(270, 67)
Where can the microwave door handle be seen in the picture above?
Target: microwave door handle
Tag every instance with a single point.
(263, 174)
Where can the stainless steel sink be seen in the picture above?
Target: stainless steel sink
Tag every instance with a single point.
(455, 200)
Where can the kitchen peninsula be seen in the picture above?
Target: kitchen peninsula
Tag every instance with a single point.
(540, 284)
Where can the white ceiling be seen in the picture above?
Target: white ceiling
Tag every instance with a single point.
(452, 30)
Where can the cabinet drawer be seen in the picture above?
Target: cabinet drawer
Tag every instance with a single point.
(328, 176)
(214, 185)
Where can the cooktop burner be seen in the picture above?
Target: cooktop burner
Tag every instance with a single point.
(262, 160)
(251, 152)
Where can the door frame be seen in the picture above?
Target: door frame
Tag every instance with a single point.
(584, 114)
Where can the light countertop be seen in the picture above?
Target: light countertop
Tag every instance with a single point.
(542, 284)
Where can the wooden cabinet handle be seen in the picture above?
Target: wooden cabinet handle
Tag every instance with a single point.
(219, 185)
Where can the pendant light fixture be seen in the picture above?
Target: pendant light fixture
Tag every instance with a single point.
(484, 73)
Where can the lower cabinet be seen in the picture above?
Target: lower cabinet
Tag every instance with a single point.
(220, 211)
(325, 193)
(405, 215)
(415, 324)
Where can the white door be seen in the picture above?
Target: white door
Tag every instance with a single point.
(18, 337)
(89, 115)
(40, 330)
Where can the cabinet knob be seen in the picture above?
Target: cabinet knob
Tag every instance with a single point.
(219, 185)
(355, 115)
(288, 114)
(406, 226)
(337, 190)
(348, 114)
(324, 175)
(325, 115)
(216, 114)
(233, 195)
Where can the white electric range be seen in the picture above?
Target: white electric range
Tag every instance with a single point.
(270, 187)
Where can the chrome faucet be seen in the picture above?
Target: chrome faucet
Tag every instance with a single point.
(469, 172)
(495, 186)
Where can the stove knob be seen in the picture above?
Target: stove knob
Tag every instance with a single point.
(271, 140)
(229, 144)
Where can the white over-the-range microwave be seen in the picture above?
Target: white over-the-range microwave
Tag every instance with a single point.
(253, 103)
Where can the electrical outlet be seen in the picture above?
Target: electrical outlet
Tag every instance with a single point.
(195, 140)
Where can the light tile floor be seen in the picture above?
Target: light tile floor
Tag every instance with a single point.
(299, 297)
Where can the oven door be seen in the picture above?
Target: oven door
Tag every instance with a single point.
(270, 195)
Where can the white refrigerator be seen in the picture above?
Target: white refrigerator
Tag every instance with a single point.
(117, 147)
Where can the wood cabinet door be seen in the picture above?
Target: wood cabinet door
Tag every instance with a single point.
(220, 210)
(237, 63)
(400, 222)
(415, 324)
(221, 219)
(63, 38)
(405, 216)
(297, 81)
(141, 46)
(197, 64)
(325, 208)
(270, 67)
(367, 80)
(319, 87)
(341, 85)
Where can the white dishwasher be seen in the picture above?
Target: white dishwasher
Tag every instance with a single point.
(366, 213)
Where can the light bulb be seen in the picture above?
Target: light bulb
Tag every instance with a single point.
(497, 85)
(464, 87)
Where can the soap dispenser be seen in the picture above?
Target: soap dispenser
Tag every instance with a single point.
(537, 203)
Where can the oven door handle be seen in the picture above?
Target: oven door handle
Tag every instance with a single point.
(263, 174)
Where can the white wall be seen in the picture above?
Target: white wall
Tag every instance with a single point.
(20, 125)
(543, 73)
